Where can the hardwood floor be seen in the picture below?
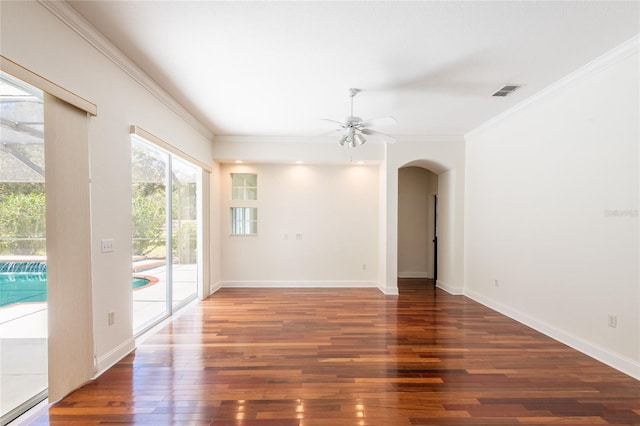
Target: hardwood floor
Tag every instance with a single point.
(351, 357)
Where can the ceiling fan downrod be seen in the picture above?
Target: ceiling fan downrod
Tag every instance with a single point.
(352, 94)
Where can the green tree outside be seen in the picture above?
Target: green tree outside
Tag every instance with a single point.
(22, 219)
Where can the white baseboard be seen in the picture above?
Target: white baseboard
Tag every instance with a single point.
(297, 284)
(213, 287)
(456, 291)
(413, 274)
(109, 359)
(393, 291)
(613, 360)
(305, 284)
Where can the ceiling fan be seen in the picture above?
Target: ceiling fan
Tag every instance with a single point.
(352, 127)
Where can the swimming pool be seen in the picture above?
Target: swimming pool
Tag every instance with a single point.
(31, 286)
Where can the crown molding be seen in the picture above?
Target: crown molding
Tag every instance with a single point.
(332, 139)
(623, 51)
(446, 138)
(91, 35)
(285, 139)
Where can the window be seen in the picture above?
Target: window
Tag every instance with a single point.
(244, 186)
(244, 220)
(244, 214)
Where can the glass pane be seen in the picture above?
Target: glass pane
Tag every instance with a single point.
(236, 220)
(244, 186)
(237, 180)
(23, 277)
(251, 180)
(149, 202)
(185, 231)
(244, 220)
(251, 194)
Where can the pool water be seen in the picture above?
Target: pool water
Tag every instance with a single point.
(24, 287)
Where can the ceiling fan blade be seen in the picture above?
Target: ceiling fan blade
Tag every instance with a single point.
(385, 137)
(380, 121)
(334, 121)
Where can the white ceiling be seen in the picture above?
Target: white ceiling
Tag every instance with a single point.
(276, 68)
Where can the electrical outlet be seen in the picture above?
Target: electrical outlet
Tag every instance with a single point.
(106, 246)
(364, 266)
(111, 318)
(496, 283)
(612, 321)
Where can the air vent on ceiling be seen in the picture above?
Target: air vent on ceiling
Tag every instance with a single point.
(507, 90)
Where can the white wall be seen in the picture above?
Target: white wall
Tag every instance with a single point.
(450, 232)
(416, 189)
(442, 155)
(289, 149)
(334, 211)
(215, 229)
(543, 185)
(36, 39)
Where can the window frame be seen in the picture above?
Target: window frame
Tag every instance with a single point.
(243, 211)
(244, 189)
(244, 220)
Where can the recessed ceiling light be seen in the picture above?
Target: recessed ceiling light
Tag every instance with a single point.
(239, 161)
(360, 162)
(299, 162)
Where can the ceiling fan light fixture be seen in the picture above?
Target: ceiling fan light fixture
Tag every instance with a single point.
(354, 127)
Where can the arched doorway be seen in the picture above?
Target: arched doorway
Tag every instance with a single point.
(445, 158)
(417, 218)
(450, 224)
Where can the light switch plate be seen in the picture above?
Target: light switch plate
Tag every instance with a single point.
(106, 246)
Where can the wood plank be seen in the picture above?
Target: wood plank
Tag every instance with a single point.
(351, 357)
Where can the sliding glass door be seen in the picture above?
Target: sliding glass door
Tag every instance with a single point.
(184, 179)
(165, 233)
(150, 174)
(23, 279)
